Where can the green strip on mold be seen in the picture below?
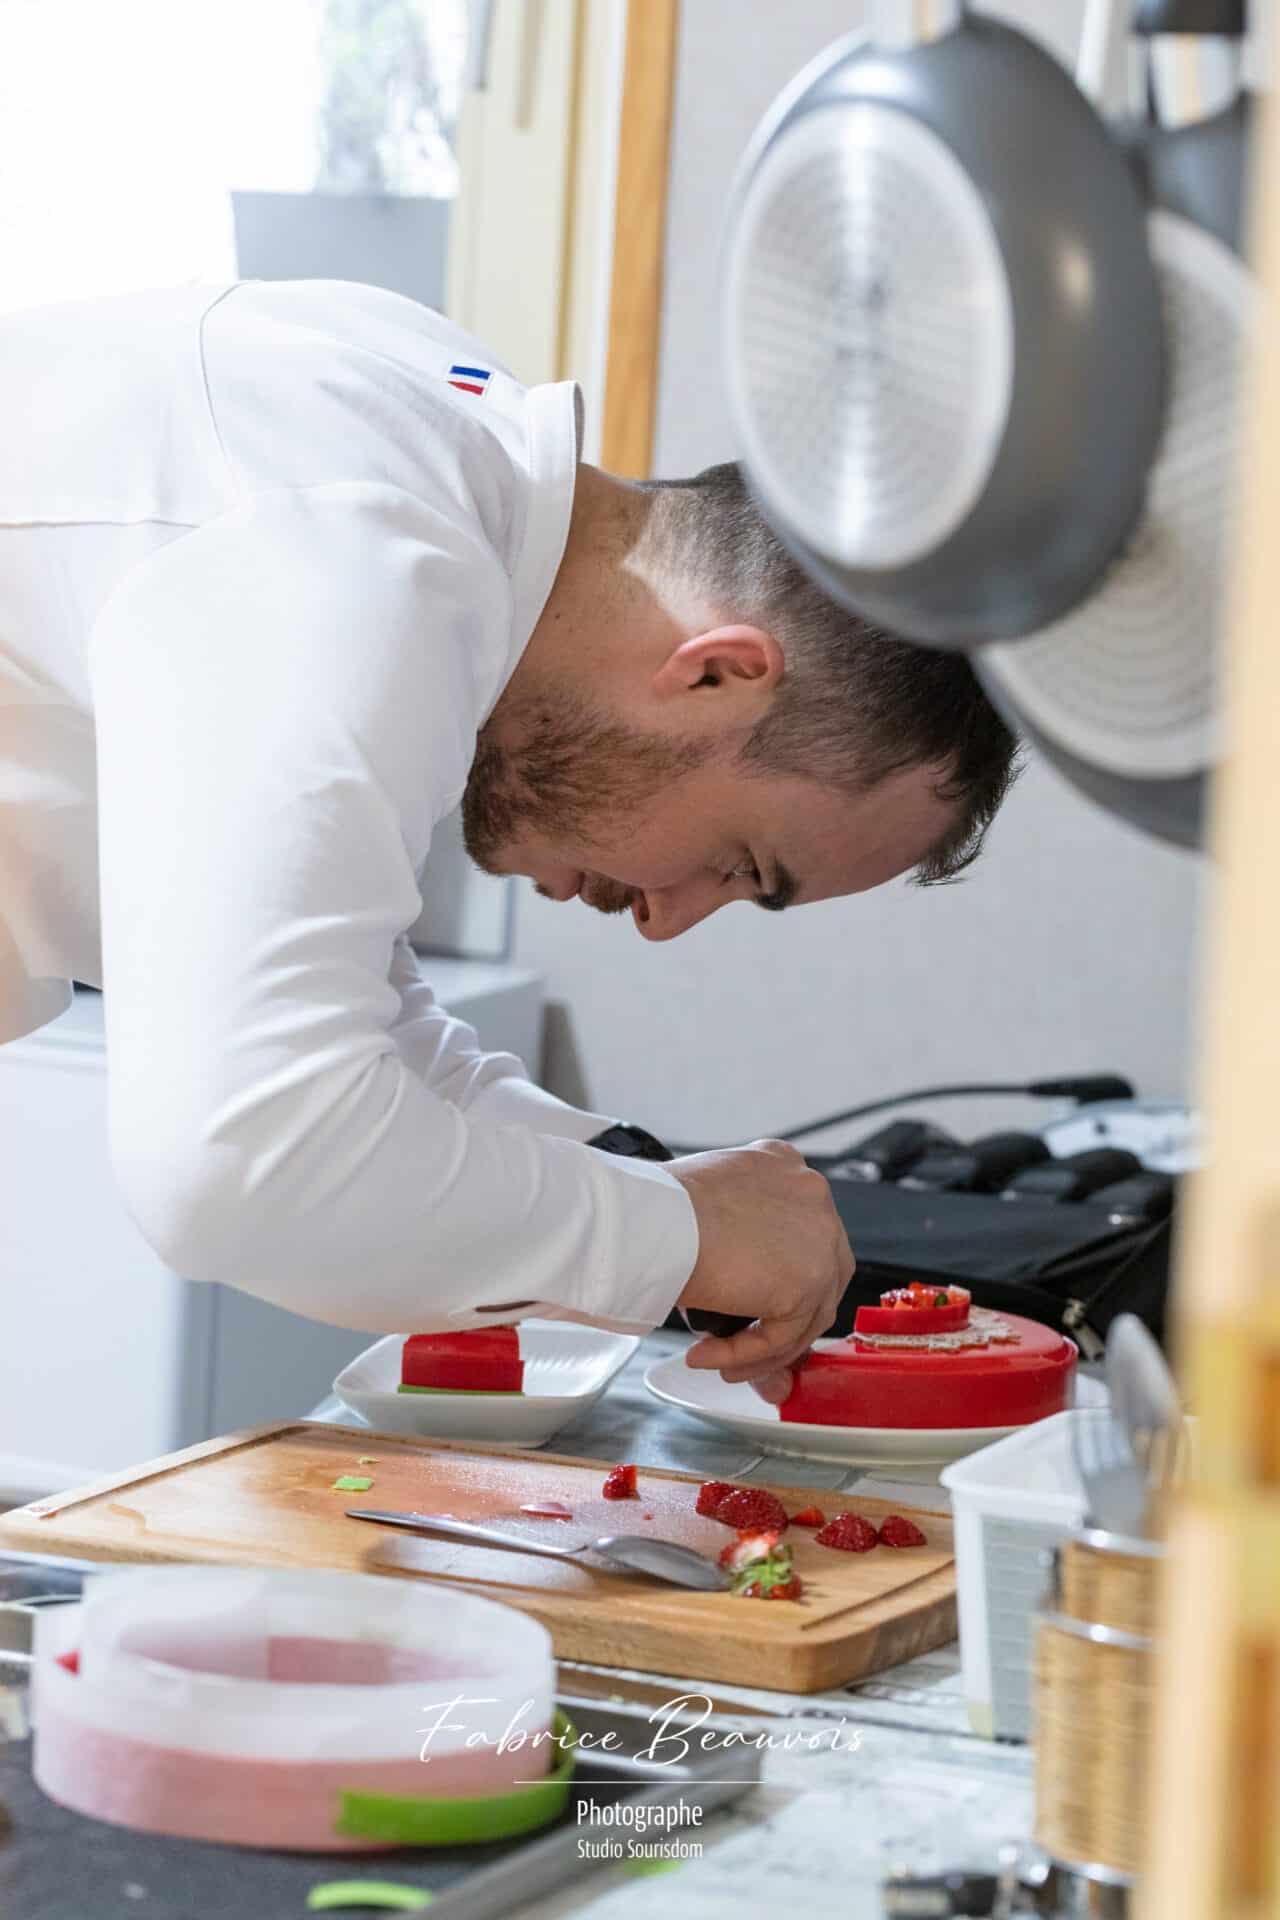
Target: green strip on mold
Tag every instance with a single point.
(460, 1821)
(483, 1393)
(387, 1894)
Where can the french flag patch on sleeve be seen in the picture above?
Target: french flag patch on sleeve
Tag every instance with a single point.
(469, 379)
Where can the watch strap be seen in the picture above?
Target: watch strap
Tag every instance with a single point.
(636, 1144)
(633, 1143)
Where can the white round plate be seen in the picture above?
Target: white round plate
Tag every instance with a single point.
(740, 1410)
(566, 1369)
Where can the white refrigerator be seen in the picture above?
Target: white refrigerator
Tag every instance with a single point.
(106, 1357)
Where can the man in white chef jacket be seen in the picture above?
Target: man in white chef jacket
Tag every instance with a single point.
(287, 572)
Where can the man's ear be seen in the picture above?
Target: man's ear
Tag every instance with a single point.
(730, 657)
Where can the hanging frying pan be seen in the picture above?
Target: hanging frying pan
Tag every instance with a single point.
(983, 347)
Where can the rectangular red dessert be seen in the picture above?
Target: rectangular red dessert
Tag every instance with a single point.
(478, 1360)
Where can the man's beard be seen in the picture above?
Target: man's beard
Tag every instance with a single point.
(568, 773)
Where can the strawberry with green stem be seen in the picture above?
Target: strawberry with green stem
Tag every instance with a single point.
(760, 1565)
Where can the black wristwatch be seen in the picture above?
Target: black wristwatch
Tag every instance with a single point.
(635, 1144)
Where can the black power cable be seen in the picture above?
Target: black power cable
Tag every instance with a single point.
(1083, 1088)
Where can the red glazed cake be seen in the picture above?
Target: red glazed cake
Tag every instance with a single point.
(990, 1370)
(476, 1360)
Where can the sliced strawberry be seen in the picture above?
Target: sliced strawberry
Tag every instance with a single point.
(809, 1517)
(750, 1509)
(849, 1532)
(785, 1589)
(748, 1549)
(916, 1308)
(710, 1494)
(620, 1484)
(896, 1531)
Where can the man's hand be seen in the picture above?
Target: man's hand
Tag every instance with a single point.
(771, 1245)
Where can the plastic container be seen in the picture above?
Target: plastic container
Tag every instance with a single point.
(1012, 1503)
(242, 1705)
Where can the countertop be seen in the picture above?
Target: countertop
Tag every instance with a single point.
(824, 1828)
(898, 1779)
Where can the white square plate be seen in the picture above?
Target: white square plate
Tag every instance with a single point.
(566, 1368)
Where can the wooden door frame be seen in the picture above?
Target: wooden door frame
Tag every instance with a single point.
(634, 335)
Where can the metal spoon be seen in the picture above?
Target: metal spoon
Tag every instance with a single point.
(1114, 1490)
(1128, 1454)
(1145, 1398)
(1143, 1392)
(662, 1558)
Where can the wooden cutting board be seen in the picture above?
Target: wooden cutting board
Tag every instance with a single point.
(265, 1497)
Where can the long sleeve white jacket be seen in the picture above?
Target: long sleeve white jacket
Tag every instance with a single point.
(264, 572)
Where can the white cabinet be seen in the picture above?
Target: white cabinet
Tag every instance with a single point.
(106, 1357)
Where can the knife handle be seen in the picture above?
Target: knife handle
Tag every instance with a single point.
(720, 1326)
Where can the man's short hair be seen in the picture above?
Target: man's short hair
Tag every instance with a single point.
(855, 703)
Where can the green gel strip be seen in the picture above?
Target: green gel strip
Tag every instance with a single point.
(368, 1893)
(640, 1866)
(491, 1393)
(353, 1483)
(459, 1821)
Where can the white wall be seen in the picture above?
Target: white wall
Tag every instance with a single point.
(1071, 944)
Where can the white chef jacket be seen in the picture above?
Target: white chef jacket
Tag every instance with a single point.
(264, 573)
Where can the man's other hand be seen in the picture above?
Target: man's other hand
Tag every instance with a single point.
(770, 1246)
